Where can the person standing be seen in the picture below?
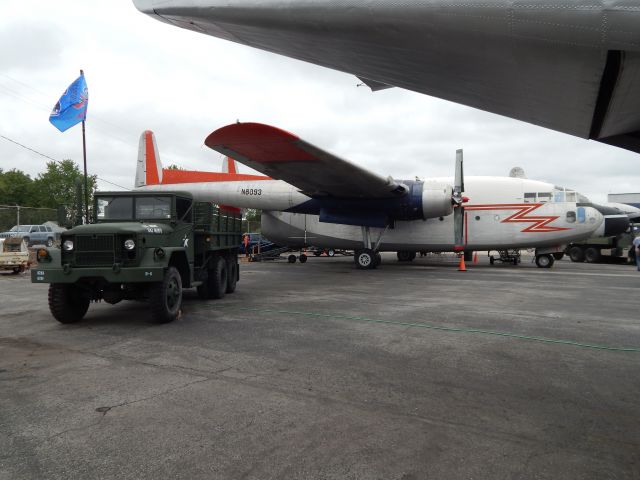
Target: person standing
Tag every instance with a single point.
(245, 241)
(636, 245)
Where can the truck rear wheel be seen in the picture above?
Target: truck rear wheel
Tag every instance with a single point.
(215, 286)
(592, 255)
(66, 303)
(166, 297)
(576, 254)
(232, 275)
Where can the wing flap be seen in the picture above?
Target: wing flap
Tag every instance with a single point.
(284, 156)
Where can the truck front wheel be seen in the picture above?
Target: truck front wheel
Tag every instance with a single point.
(166, 297)
(66, 303)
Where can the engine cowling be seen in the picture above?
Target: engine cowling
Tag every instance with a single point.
(436, 199)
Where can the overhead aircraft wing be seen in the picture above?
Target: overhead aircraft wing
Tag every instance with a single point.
(570, 65)
(283, 156)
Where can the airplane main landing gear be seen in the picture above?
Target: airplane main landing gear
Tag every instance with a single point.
(545, 260)
(366, 259)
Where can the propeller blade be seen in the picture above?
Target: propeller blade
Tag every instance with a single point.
(458, 226)
(458, 202)
(459, 178)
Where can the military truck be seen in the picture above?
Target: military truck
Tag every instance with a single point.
(602, 249)
(142, 246)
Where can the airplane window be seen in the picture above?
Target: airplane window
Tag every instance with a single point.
(544, 197)
(477, 217)
(530, 197)
(571, 196)
(558, 195)
(571, 217)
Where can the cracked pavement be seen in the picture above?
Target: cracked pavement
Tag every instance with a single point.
(296, 376)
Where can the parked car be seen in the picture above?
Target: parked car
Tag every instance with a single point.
(32, 234)
(255, 240)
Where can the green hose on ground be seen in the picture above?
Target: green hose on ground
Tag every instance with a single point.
(430, 327)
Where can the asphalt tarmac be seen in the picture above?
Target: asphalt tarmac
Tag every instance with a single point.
(321, 371)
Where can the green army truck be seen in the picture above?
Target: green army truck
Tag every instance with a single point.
(142, 246)
(605, 249)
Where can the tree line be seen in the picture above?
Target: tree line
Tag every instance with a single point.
(53, 187)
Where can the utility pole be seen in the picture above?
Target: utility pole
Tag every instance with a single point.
(18, 215)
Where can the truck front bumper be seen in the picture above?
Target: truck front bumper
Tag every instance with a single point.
(44, 273)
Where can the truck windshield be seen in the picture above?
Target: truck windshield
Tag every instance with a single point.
(115, 208)
(122, 208)
(153, 207)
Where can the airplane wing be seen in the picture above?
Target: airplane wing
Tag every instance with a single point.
(570, 66)
(284, 156)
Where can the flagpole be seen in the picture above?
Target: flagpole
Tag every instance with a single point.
(86, 182)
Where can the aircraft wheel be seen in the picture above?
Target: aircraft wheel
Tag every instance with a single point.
(592, 255)
(576, 254)
(291, 259)
(331, 252)
(545, 261)
(303, 258)
(365, 259)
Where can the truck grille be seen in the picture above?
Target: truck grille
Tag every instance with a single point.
(94, 250)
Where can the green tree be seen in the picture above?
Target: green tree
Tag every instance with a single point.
(252, 220)
(173, 166)
(57, 186)
(16, 188)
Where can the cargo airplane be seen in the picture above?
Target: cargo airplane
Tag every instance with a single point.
(568, 65)
(311, 197)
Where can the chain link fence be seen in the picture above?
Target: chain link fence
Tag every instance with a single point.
(11, 215)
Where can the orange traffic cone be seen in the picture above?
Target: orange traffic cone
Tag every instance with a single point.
(475, 258)
(461, 266)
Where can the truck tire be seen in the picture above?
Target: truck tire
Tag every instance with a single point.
(232, 275)
(592, 255)
(49, 242)
(215, 286)
(66, 303)
(576, 254)
(166, 297)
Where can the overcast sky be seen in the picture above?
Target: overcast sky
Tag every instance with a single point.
(143, 74)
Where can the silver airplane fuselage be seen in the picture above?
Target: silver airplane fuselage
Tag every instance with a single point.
(502, 212)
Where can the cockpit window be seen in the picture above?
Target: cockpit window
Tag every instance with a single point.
(530, 197)
(544, 197)
(571, 196)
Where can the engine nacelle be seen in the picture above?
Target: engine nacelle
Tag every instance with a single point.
(436, 199)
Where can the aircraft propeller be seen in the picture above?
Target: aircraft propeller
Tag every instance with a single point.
(458, 202)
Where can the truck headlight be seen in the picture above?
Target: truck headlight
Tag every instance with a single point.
(67, 245)
(129, 244)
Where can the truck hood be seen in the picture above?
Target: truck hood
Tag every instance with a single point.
(120, 228)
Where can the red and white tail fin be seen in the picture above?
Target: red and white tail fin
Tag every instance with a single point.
(149, 169)
(229, 165)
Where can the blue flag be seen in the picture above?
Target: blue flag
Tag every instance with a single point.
(72, 106)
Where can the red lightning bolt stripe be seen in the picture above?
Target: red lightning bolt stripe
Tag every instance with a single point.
(539, 223)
